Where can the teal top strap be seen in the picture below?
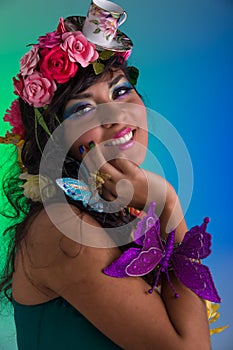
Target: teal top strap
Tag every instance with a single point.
(56, 325)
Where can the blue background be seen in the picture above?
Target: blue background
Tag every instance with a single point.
(184, 50)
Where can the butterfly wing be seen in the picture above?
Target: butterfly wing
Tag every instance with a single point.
(118, 267)
(96, 203)
(135, 261)
(75, 189)
(152, 250)
(145, 262)
(79, 191)
(140, 261)
(152, 237)
(195, 276)
(196, 243)
(145, 224)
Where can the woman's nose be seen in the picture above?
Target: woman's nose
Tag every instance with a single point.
(111, 113)
(108, 125)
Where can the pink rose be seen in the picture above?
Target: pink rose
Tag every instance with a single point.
(37, 90)
(55, 64)
(61, 26)
(29, 61)
(13, 116)
(125, 55)
(79, 49)
(49, 40)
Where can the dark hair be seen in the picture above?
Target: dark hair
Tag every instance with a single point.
(23, 210)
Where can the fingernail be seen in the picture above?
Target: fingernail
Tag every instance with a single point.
(91, 144)
(81, 149)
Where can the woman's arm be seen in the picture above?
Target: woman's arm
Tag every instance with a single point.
(121, 308)
(146, 187)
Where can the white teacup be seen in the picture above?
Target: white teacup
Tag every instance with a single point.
(102, 21)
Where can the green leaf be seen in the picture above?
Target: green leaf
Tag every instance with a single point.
(39, 118)
(105, 55)
(96, 31)
(133, 75)
(36, 135)
(98, 67)
(95, 21)
(57, 119)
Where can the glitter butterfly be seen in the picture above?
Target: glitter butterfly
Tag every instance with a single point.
(80, 191)
(165, 256)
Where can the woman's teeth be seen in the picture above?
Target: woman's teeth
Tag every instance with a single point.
(120, 140)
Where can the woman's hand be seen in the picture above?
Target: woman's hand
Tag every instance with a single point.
(123, 181)
(130, 185)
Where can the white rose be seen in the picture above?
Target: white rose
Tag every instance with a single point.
(37, 187)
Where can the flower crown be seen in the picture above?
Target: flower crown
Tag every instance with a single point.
(52, 62)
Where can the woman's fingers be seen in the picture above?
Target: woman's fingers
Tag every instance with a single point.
(95, 161)
(125, 165)
(116, 178)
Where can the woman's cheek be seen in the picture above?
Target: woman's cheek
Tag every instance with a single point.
(83, 141)
(89, 136)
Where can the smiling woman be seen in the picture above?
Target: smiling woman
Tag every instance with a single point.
(110, 98)
(78, 249)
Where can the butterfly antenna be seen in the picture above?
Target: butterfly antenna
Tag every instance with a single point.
(156, 282)
(172, 285)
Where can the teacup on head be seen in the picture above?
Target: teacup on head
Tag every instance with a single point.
(102, 21)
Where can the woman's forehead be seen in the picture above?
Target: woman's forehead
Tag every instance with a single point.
(109, 79)
(110, 75)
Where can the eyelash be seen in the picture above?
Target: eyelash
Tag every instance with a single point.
(79, 108)
(127, 87)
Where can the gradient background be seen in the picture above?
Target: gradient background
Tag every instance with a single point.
(184, 50)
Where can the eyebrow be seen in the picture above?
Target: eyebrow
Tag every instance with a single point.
(84, 95)
(115, 81)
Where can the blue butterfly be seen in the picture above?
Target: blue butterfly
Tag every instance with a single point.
(80, 191)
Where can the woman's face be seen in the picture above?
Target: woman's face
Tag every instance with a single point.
(109, 114)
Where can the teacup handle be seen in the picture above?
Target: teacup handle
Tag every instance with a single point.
(122, 18)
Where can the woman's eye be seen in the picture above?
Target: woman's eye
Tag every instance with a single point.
(83, 109)
(79, 110)
(122, 90)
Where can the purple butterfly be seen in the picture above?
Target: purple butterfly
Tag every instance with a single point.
(155, 254)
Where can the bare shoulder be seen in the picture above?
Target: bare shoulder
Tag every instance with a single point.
(56, 238)
(47, 236)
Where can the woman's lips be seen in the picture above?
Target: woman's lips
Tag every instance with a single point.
(122, 133)
(123, 139)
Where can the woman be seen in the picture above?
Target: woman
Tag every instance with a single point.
(63, 293)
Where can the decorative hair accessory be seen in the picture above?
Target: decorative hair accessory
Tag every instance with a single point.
(154, 254)
(51, 62)
(213, 314)
(55, 59)
(80, 191)
(102, 22)
(97, 179)
(37, 187)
